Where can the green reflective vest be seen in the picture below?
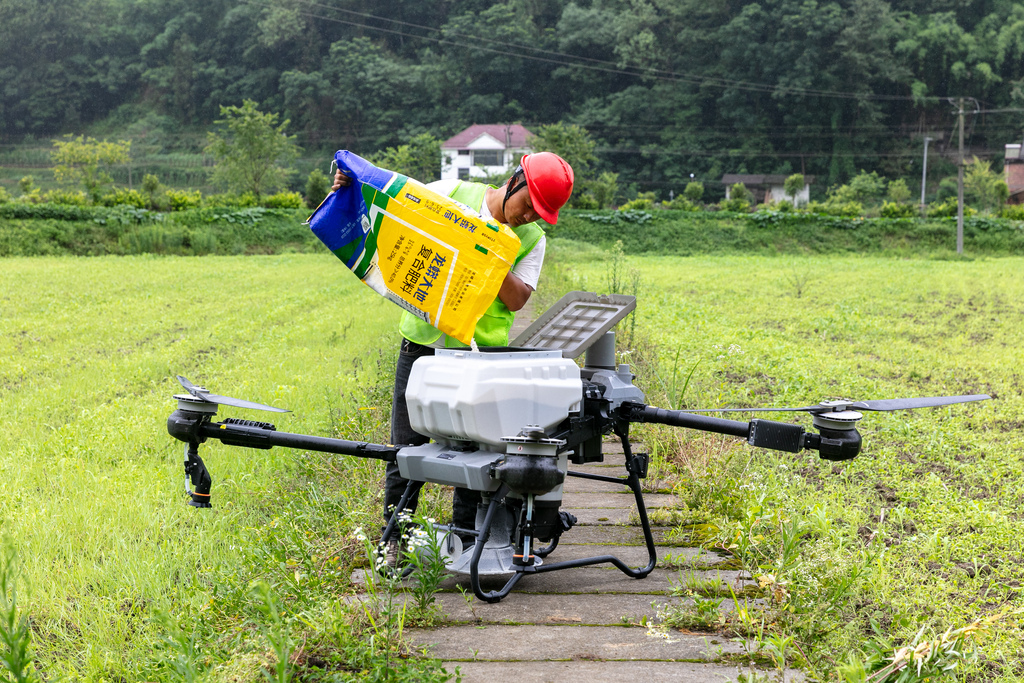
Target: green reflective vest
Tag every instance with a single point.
(494, 327)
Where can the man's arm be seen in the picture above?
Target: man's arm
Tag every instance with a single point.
(514, 293)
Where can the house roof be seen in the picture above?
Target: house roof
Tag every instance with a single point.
(512, 136)
(733, 178)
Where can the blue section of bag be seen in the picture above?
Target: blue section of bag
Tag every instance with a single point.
(338, 221)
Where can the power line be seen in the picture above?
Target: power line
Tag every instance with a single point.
(576, 61)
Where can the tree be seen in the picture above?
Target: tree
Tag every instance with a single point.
(604, 188)
(694, 191)
(898, 191)
(793, 185)
(253, 154)
(569, 141)
(420, 159)
(317, 187)
(84, 161)
(985, 185)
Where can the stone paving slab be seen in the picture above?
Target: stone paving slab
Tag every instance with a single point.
(599, 672)
(581, 485)
(574, 499)
(634, 554)
(595, 579)
(604, 516)
(618, 535)
(537, 643)
(541, 609)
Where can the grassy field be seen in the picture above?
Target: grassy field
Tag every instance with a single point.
(121, 581)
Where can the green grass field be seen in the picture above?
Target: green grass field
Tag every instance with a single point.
(119, 576)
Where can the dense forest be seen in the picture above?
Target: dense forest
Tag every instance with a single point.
(668, 88)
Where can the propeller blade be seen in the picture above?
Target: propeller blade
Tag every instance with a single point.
(189, 387)
(205, 395)
(840, 405)
(910, 403)
(239, 403)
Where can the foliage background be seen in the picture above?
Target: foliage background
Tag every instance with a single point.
(668, 88)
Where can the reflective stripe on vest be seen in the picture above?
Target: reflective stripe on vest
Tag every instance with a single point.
(494, 327)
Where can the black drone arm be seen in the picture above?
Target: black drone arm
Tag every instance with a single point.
(195, 428)
(831, 444)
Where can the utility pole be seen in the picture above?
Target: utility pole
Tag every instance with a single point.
(924, 172)
(960, 182)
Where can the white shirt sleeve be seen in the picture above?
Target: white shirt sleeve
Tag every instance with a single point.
(528, 268)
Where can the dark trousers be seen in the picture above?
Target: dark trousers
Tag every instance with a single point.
(465, 500)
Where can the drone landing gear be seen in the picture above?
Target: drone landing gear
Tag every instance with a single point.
(495, 553)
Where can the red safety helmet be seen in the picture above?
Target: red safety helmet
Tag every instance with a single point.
(549, 178)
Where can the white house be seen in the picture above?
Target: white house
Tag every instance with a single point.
(768, 188)
(483, 150)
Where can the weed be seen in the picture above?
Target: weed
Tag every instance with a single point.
(15, 636)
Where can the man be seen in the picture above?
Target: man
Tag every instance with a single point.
(540, 186)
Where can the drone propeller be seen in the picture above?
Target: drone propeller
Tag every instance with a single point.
(839, 405)
(204, 395)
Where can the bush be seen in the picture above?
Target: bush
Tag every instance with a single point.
(638, 204)
(318, 186)
(585, 201)
(284, 200)
(67, 197)
(785, 206)
(230, 201)
(947, 209)
(895, 210)
(4, 196)
(694, 191)
(681, 204)
(835, 208)
(121, 196)
(180, 200)
(739, 205)
(862, 188)
(1014, 212)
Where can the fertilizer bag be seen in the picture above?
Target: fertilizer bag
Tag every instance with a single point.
(428, 253)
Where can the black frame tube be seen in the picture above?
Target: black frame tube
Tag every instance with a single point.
(256, 437)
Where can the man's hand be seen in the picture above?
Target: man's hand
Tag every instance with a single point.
(340, 180)
(514, 293)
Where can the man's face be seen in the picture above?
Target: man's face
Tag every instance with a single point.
(519, 208)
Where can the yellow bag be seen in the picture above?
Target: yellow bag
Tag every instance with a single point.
(431, 255)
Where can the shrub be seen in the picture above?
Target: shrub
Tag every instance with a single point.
(681, 204)
(121, 196)
(643, 202)
(835, 208)
(895, 210)
(284, 200)
(585, 201)
(1014, 212)
(231, 201)
(947, 209)
(862, 188)
(785, 206)
(66, 197)
(4, 196)
(317, 187)
(898, 191)
(738, 205)
(694, 191)
(180, 200)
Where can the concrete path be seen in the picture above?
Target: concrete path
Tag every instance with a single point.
(594, 623)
